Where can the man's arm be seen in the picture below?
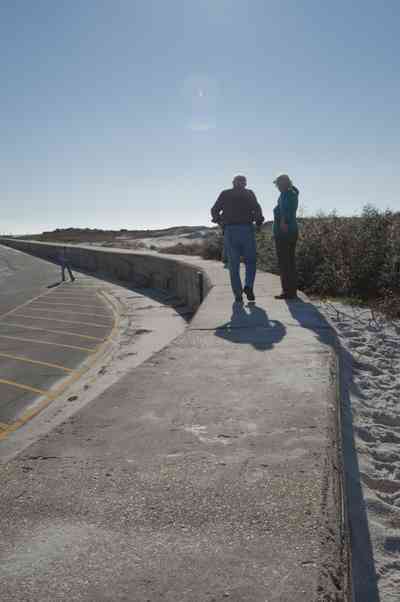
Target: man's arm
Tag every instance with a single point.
(216, 209)
(257, 211)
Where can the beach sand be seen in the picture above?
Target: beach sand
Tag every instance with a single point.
(371, 376)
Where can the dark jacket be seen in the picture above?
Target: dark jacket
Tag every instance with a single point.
(61, 259)
(286, 207)
(237, 206)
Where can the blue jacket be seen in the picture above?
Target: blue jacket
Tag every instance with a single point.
(286, 207)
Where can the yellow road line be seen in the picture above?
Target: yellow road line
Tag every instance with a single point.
(3, 426)
(70, 295)
(86, 349)
(11, 311)
(13, 383)
(41, 296)
(20, 358)
(73, 298)
(86, 286)
(66, 311)
(117, 317)
(68, 305)
(66, 321)
(10, 428)
(85, 290)
(72, 334)
(73, 295)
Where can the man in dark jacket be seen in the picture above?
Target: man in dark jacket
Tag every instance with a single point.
(64, 264)
(237, 209)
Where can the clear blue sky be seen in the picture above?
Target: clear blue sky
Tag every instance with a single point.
(136, 113)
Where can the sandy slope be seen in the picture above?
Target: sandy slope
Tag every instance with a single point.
(373, 379)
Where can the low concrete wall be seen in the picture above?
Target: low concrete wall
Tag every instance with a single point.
(141, 270)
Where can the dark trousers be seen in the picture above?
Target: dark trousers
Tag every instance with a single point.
(286, 252)
(64, 267)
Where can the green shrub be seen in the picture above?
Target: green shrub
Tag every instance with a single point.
(351, 256)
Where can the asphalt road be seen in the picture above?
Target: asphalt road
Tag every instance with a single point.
(47, 330)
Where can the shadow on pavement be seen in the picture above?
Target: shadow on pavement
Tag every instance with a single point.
(364, 578)
(252, 326)
(54, 284)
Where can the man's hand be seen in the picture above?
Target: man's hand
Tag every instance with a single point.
(284, 227)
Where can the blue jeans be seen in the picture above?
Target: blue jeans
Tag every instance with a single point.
(240, 241)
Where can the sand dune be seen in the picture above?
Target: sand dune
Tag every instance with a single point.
(372, 377)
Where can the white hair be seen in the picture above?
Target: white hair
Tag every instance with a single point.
(283, 177)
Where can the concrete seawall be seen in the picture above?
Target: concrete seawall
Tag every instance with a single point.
(142, 270)
(224, 448)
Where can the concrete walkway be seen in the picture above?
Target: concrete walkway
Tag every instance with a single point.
(208, 473)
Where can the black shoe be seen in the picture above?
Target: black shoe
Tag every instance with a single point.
(249, 293)
(238, 299)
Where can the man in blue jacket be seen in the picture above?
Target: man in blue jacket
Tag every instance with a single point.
(236, 210)
(286, 234)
